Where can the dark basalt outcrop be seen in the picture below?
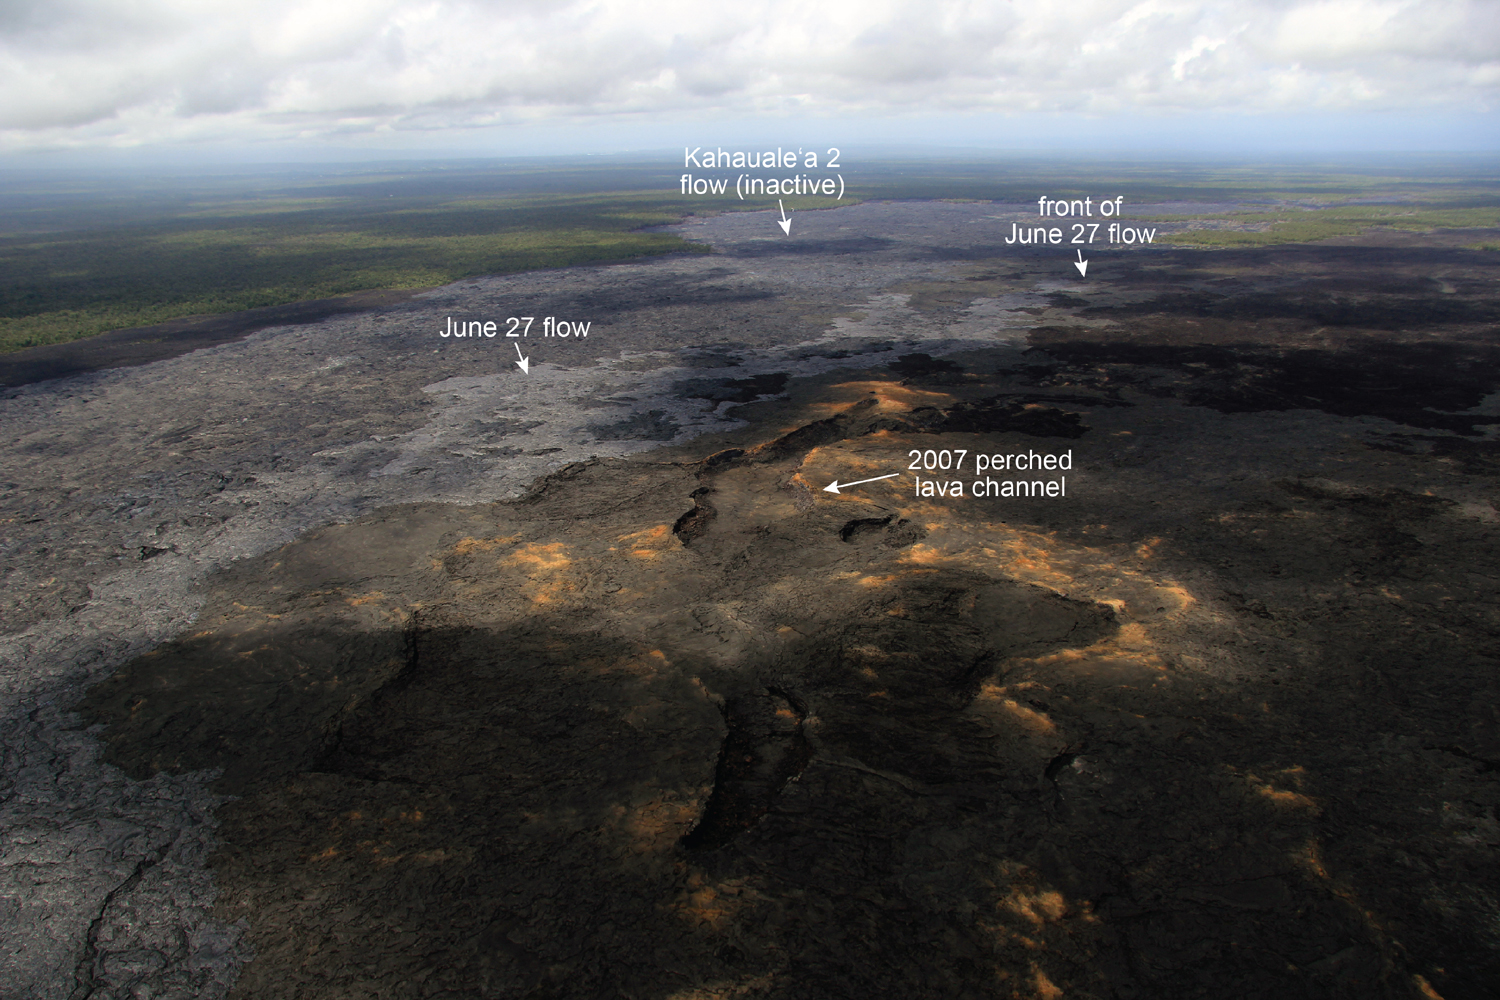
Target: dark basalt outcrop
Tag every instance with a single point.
(1222, 723)
(659, 725)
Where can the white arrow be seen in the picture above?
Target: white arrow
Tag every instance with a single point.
(525, 362)
(833, 487)
(786, 227)
(1082, 265)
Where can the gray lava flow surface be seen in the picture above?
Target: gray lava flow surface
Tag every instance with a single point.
(346, 660)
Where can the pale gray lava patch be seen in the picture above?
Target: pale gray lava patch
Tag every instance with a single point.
(121, 490)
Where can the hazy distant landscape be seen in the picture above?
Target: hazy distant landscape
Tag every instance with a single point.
(84, 253)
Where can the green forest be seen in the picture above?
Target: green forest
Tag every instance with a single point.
(81, 255)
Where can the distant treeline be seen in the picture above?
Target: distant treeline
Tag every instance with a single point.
(75, 283)
(81, 255)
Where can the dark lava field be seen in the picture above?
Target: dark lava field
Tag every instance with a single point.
(352, 663)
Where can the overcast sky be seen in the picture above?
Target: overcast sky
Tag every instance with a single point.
(530, 76)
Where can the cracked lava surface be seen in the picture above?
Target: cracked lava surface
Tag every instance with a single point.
(674, 722)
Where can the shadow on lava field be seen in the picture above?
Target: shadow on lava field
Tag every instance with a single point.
(687, 722)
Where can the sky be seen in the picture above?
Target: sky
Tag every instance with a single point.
(319, 79)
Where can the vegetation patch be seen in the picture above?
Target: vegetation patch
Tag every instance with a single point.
(61, 286)
(82, 255)
(1306, 225)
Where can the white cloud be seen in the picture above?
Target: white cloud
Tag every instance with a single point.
(1201, 46)
(121, 72)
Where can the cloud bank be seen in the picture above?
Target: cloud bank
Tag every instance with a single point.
(79, 73)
